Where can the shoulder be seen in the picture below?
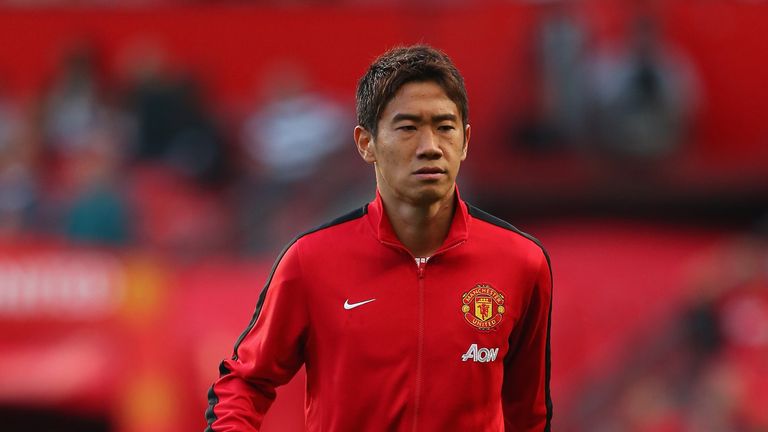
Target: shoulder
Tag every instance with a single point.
(340, 230)
(503, 235)
(318, 241)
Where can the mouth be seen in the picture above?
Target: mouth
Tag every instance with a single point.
(429, 173)
(429, 170)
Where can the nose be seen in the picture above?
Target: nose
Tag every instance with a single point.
(429, 145)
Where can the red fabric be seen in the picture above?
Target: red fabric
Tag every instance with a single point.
(404, 360)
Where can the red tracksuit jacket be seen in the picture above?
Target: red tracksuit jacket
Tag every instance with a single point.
(391, 343)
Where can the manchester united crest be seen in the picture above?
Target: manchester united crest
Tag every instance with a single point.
(483, 307)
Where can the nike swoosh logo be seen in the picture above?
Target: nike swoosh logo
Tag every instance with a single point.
(348, 305)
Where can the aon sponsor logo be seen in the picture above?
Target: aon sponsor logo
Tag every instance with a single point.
(482, 355)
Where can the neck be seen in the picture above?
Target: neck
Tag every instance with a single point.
(422, 228)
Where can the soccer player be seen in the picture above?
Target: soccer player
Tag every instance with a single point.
(417, 312)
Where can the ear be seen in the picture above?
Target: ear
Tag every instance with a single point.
(467, 133)
(365, 144)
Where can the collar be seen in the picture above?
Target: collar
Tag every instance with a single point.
(382, 227)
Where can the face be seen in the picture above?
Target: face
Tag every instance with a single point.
(419, 146)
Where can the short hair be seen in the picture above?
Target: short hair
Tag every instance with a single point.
(400, 66)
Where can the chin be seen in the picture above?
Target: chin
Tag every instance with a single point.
(430, 195)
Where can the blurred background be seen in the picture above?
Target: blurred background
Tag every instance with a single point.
(155, 156)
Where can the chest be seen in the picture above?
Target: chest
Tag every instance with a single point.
(455, 306)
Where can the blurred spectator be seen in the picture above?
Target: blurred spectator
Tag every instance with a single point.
(19, 189)
(173, 124)
(74, 104)
(558, 119)
(98, 212)
(294, 129)
(644, 96)
(295, 165)
(180, 166)
(84, 139)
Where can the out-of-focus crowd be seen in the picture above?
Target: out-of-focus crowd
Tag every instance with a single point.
(707, 368)
(145, 159)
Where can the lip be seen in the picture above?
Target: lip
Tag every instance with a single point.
(429, 170)
(429, 173)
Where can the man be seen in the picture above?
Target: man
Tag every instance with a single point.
(417, 312)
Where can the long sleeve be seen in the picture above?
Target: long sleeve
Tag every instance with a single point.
(267, 354)
(526, 399)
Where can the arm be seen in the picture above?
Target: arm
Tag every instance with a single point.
(266, 355)
(525, 392)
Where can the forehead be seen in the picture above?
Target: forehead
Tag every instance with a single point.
(420, 98)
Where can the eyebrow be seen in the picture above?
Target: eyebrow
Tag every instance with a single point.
(417, 118)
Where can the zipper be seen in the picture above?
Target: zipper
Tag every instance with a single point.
(421, 264)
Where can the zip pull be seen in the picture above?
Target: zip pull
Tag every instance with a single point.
(421, 263)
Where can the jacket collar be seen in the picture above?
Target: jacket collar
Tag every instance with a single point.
(458, 232)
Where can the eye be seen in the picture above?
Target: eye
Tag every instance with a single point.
(446, 128)
(407, 128)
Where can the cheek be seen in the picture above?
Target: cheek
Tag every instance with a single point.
(386, 160)
(454, 149)
(392, 155)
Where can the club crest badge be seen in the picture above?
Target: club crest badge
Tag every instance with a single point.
(483, 307)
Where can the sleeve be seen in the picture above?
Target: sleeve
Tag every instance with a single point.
(526, 398)
(268, 353)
